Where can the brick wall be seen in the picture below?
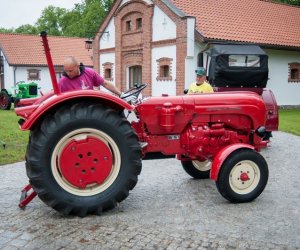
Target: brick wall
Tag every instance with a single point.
(133, 47)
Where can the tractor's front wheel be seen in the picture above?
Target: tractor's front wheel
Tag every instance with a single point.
(5, 102)
(83, 159)
(243, 176)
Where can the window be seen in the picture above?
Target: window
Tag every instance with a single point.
(243, 61)
(294, 72)
(139, 23)
(33, 75)
(108, 71)
(128, 25)
(135, 75)
(164, 69)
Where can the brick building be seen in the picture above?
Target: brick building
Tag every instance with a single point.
(160, 42)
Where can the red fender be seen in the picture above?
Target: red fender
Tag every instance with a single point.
(42, 105)
(222, 156)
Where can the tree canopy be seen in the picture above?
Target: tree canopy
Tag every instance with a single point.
(81, 21)
(291, 2)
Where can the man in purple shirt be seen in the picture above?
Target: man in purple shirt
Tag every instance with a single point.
(78, 77)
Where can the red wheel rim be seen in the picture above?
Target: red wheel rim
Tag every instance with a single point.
(86, 162)
(88, 142)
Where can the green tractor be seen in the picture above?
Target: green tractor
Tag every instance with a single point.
(22, 90)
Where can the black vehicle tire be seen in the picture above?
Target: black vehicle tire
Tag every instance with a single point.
(197, 169)
(83, 159)
(5, 102)
(243, 176)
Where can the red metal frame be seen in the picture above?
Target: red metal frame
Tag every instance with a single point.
(50, 62)
(25, 197)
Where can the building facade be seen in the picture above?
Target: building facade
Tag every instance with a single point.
(22, 58)
(160, 43)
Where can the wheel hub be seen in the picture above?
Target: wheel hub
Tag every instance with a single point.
(85, 162)
(244, 177)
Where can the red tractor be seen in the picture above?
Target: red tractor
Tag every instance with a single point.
(84, 156)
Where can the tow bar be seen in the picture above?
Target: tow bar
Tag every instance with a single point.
(25, 197)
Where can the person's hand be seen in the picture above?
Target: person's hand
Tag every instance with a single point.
(129, 99)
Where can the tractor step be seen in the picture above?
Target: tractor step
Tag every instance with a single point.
(26, 197)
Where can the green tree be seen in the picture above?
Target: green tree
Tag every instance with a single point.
(291, 2)
(3, 30)
(52, 20)
(84, 20)
(27, 29)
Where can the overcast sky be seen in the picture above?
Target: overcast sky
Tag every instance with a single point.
(14, 13)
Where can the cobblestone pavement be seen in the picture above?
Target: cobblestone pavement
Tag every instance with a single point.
(166, 210)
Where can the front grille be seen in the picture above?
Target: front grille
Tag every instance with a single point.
(33, 90)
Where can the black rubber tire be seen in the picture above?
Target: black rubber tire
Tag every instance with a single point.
(5, 102)
(193, 171)
(231, 187)
(41, 150)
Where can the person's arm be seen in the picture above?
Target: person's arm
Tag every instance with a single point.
(112, 88)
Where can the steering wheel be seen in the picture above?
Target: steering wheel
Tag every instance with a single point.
(135, 90)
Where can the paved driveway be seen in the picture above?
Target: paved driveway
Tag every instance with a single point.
(166, 210)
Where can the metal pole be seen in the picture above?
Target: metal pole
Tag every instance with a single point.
(50, 63)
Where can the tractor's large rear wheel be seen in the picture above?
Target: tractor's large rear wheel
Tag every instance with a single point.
(243, 176)
(83, 159)
(5, 102)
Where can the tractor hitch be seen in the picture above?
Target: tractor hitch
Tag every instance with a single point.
(25, 197)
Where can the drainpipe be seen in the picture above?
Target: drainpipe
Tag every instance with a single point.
(15, 69)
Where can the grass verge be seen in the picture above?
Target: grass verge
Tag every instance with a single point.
(13, 141)
(289, 121)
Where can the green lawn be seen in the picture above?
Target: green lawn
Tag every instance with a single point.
(16, 140)
(289, 121)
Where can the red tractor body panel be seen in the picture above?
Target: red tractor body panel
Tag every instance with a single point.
(170, 115)
(198, 126)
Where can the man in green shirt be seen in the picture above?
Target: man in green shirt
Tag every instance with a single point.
(201, 85)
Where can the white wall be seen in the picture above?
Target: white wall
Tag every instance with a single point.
(108, 40)
(8, 75)
(12, 75)
(108, 58)
(190, 37)
(286, 93)
(163, 87)
(163, 26)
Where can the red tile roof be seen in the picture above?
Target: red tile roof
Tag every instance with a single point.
(20, 49)
(254, 21)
